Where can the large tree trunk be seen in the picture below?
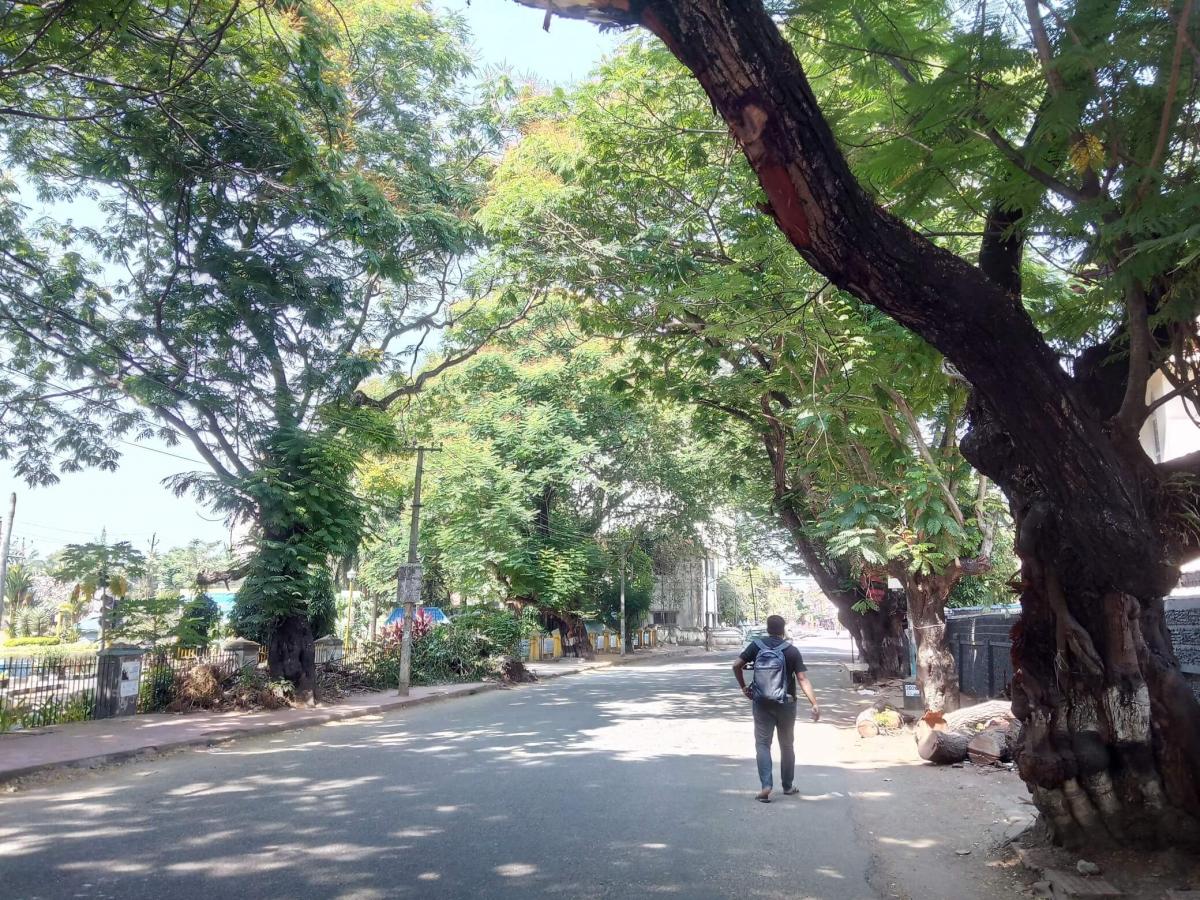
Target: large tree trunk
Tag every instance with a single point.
(937, 672)
(291, 655)
(878, 633)
(1111, 747)
(879, 630)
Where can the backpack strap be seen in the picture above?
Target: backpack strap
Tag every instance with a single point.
(760, 645)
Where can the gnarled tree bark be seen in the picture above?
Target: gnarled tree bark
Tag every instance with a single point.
(1111, 748)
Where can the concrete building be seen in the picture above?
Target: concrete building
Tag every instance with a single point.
(1172, 431)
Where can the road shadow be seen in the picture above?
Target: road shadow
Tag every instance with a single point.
(628, 782)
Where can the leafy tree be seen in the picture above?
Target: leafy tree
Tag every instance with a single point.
(1078, 129)
(540, 464)
(751, 593)
(19, 584)
(287, 223)
(183, 568)
(100, 567)
(792, 380)
(199, 622)
(146, 619)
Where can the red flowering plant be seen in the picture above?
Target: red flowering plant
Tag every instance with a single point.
(394, 634)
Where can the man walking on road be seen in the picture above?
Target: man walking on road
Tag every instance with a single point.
(780, 668)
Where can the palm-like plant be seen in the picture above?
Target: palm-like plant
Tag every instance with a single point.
(18, 585)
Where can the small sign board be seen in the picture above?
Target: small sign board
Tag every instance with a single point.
(131, 674)
(547, 646)
(523, 648)
(408, 583)
(911, 689)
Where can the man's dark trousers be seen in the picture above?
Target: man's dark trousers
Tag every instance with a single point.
(770, 717)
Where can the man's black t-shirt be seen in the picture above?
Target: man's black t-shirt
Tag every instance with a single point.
(791, 656)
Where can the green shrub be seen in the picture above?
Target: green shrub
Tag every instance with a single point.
(451, 653)
(40, 650)
(158, 689)
(459, 651)
(78, 708)
(500, 627)
(47, 641)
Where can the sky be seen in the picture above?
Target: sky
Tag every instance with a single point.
(131, 504)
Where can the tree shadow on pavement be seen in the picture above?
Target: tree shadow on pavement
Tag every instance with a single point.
(627, 782)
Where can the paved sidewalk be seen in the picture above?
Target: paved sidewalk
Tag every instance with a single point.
(106, 741)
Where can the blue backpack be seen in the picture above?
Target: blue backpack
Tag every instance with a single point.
(770, 673)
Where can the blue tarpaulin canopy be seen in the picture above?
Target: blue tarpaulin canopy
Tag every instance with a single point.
(434, 612)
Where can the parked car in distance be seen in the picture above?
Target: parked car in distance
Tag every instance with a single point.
(753, 630)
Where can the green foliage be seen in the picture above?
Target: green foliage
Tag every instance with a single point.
(463, 650)
(279, 226)
(199, 623)
(18, 584)
(179, 566)
(639, 584)
(36, 641)
(543, 472)
(159, 686)
(146, 620)
(76, 708)
(500, 628)
(61, 649)
(98, 566)
(629, 194)
(31, 620)
(771, 597)
(308, 513)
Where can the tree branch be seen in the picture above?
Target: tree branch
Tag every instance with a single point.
(923, 448)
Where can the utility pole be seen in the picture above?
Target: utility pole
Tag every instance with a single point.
(408, 584)
(8, 530)
(350, 576)
(753, 599)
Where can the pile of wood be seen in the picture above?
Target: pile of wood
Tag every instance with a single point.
(986, 733)
(879, 718)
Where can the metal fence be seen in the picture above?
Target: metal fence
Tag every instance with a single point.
(982, 651)
(984, 667)
(163, 670)
(37, 691)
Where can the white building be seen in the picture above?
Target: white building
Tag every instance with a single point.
(1172, 431)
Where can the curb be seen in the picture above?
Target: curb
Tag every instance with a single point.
(317, 718)
(214, 740)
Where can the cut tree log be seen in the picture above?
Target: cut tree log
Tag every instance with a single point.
(943, 747)
(879, 718)
(971, 717)
(944, 738)
(994, 744)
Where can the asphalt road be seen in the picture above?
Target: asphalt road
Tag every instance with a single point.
(628, 782)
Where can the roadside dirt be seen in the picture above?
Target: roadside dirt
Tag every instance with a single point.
(938, 832)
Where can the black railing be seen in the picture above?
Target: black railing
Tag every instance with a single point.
(36, 691)
(984, 667)
(164, 670)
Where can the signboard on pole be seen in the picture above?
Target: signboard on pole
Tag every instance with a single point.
(408, 583)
